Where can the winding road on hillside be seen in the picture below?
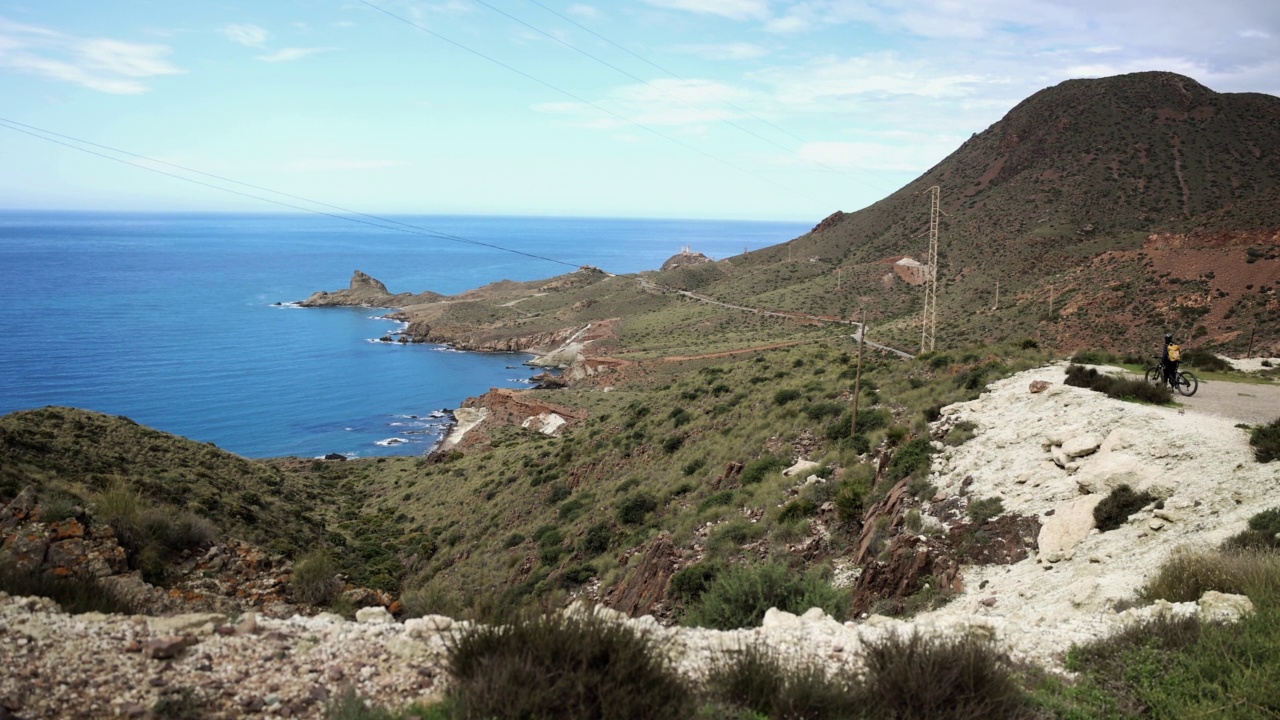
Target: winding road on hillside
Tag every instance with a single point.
(1245, 402)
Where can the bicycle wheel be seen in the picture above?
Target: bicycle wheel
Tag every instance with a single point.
(1187, 383)
(1153, 375)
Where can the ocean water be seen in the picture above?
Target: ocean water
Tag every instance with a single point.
(171, 319)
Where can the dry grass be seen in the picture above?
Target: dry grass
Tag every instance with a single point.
(1189, 574)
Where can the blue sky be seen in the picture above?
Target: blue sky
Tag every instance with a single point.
(754, 109)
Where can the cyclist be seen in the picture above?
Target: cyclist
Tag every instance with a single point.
(1169, 359)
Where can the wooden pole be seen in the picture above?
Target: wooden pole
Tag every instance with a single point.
(1251, 332)
(857, 376)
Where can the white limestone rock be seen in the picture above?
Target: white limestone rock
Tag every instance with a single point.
(1067, 527)
(1224, 607)
(376, 615)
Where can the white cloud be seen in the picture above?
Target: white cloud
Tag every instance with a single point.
(589, 12)
(248, 35)
(1255, 35)
(725, 51)
(732, 9)
(288, 54)
(832, 78)
(102, 64)
(660, 103)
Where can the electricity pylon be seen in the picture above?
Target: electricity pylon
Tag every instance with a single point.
(930, 318)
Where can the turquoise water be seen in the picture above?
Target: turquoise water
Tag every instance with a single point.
(171, 319)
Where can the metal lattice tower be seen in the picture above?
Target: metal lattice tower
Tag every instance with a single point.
(930, 316)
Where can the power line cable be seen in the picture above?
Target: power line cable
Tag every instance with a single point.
(373, 220)
(677, 76)
(584, 101)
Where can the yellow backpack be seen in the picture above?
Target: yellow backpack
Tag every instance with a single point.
(1175, 353)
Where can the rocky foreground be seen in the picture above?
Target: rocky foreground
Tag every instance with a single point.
(1051, 455)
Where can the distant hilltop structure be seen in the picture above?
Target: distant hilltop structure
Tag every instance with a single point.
(685, 257)
(909, 269)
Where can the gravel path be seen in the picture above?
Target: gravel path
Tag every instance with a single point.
(1243, 402)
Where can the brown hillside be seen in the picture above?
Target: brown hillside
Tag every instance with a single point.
(1076, 171)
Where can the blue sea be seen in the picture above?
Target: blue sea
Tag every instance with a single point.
(172, 319)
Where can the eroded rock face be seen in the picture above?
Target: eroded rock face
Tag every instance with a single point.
(645, 591)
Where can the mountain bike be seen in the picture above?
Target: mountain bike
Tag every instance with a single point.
(1184, 382)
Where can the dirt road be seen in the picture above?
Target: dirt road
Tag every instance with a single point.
(1243, 402)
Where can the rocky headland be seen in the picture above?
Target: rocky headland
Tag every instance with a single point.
(366, 291)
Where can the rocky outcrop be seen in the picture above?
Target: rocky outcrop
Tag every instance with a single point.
(685, 258)
(366, 291)
(645, 591)
(485, 339)
(228, 576)
(830, 222)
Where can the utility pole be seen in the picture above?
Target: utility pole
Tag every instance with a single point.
(1050, 302)
(930, 320)
(837, 279)
(997, 305)
(857, 376)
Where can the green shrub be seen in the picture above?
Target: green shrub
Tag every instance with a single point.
(74, 594)
(565, 667)
(1093, 357)
(679, 416)
(820, 410)
(598, 539)
(938, 677)
(756, 470)
(314, 579)
(729, 536)
(558, 491)
(690, 582)
(694, 465)
(796, 510)
(759, 680)
(960, 434)
(911, 458)
(1114, 509)
(1202, 359)
(937, 361)
(634, 509)
(576, 576)
(1118, 388)
(724, 497)
(869, 419)
(786, 395)
(672, 444)
(512, 540)
(980, 511)
(739, 596)
(58, 506)
(1265, 440)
